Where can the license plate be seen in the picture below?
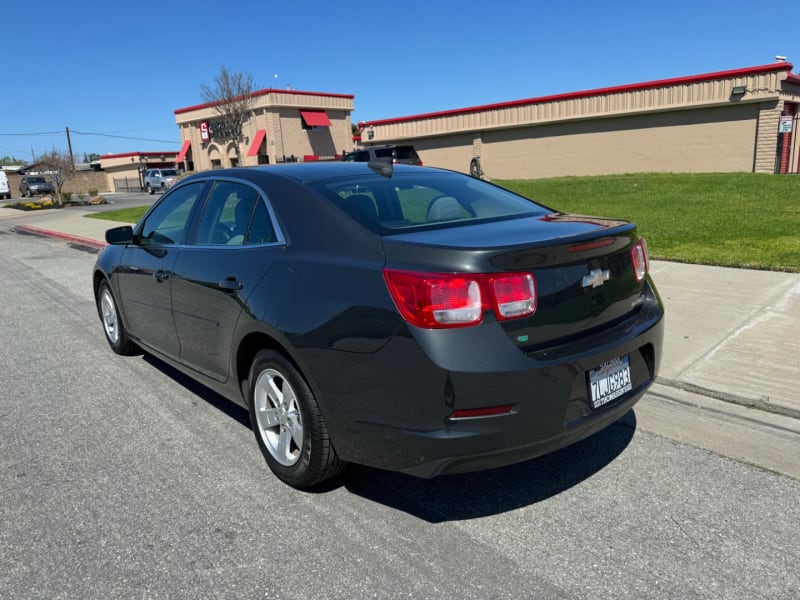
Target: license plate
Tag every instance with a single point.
(609, 381)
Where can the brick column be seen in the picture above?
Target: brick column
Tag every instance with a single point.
(767, 137)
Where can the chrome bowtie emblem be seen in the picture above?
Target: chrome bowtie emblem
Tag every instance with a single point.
(596, 278)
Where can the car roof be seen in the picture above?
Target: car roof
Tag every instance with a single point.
(302, 172)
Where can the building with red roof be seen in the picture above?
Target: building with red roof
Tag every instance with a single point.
(742, 120)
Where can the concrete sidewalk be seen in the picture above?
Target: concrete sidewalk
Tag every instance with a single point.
(731, 334)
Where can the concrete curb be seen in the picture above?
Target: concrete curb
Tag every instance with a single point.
(74, 239)
(759, 403)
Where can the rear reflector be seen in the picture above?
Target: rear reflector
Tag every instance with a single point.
(443, 300)
(476, 413)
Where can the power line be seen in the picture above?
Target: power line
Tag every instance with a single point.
(124, 137)
(61, 132)
(37, 133)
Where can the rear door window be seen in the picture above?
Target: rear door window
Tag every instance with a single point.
(235, 214)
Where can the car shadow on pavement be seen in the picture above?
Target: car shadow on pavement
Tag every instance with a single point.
(495, 491)
(455, 497)
(225, 406)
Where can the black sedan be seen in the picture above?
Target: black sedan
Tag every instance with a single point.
(402, 317)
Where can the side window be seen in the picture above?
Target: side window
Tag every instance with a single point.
(262, 230)
(167, 223)
(227, 214)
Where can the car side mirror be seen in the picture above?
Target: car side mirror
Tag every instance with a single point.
(120, 235)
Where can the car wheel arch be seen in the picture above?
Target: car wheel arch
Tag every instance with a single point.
(98, 278)
(253, 343)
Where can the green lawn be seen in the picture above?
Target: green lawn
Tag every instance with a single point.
(730, 219)
(126, 215)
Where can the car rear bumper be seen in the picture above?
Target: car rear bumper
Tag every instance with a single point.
(392, 409)
(449, 452)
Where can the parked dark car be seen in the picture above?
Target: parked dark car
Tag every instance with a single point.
(406, 318)
(397, 154)
(33, 185)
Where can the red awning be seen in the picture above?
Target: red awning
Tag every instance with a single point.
(257, 141)
(315, 118)
(184, 150)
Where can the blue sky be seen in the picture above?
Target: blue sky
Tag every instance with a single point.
(112, 71)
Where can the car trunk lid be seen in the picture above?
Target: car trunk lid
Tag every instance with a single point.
(582, 267)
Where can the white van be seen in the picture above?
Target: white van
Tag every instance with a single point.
(5, 192)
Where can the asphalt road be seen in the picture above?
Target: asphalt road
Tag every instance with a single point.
(121, 479)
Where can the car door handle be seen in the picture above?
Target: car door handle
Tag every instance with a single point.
(231, 285)
(161, 276)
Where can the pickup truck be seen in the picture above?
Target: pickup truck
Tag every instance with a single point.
(159, 179)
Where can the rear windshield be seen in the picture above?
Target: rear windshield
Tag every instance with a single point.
(168, 172)
(406, 153)
(424, 199)
(384, 153)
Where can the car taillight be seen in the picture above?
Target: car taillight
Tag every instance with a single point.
(444, 300)
(639, 259)
(514, 294)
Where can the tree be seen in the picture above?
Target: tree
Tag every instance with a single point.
(59, 167)
(232, 99)
(11, 160)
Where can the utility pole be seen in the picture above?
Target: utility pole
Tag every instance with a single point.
(69, 145)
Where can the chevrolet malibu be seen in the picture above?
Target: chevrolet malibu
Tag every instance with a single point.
(402, 317)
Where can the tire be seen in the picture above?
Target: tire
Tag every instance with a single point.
(287, 423)
(116, 335)
(149, 189)
(475, 168)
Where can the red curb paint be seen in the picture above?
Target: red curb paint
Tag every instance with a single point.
(75, 239)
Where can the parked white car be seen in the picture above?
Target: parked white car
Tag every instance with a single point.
(159, 179)
(5, 191)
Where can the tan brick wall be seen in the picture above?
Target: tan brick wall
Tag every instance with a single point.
(711, 139)
(80, 184)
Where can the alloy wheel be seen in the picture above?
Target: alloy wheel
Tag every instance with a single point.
(278, 417)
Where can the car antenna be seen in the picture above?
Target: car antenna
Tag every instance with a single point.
(382, 166)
